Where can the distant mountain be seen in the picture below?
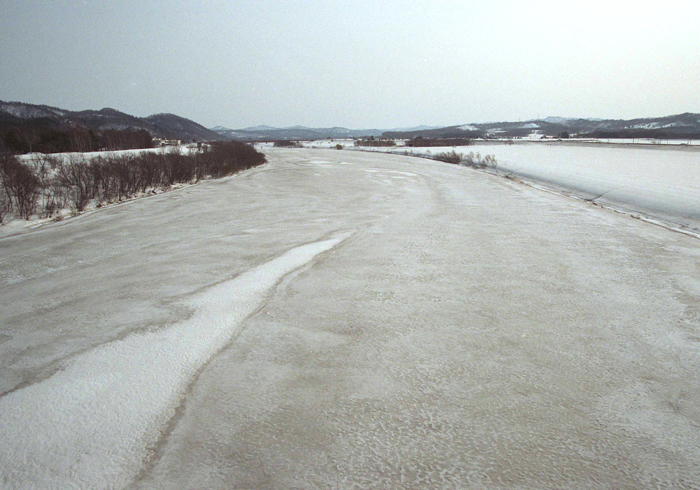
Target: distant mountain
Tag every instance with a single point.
(267, 133)
(161, 125)
(414, 128)
(181, 128)
(260, 128)
(679, 126)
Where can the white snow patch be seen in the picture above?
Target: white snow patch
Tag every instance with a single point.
(535, 135)
(91, 425)
(88, 156)
(468, 127)
(381, 171)
(530, 126)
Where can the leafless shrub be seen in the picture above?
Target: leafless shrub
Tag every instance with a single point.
(178, 167)
(151, 167)
(21, 186)
(41, 166)
(471, 159)
(71, 180)
(5, 204)
(54, 195)
(124, 173)
(77, 176)
(375, 143)
(449, 157)
(226, 158)
(475, 160)
(287, 144)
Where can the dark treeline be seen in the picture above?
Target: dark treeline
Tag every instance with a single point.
(658, 134)
(375, 143)
(46, 184)
(44, 138)
(287, 144)
(430, 142)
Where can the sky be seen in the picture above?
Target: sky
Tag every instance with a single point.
(357, 64)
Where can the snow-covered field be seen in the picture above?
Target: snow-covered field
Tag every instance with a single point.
(185, 149)
(637, 141)
(339, 319)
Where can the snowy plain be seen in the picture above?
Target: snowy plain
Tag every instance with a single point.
(185, 149)
(339, 319)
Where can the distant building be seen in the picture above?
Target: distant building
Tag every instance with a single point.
(163, 142)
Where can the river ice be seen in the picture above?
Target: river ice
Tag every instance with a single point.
(339, 319)
(661, 182)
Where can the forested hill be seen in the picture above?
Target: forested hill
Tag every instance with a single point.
(26, 123)
(680, 126)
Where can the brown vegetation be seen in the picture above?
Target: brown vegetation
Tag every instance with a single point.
(58, 181)
(375, 143)
(287, 144)
(471, 159)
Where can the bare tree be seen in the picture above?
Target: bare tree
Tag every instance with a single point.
(20, 184)
(5, 204)
(76, 175)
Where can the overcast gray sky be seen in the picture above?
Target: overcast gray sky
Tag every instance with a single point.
(359, 64)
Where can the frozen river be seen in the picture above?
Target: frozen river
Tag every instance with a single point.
(339, 319)
(657, 181)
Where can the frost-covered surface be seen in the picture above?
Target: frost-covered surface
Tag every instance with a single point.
(662, 183)
(659, 182)
(102, 404)
(432, 327)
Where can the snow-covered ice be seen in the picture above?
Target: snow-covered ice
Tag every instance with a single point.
(659, 182)
(93, 422)
(339, 319)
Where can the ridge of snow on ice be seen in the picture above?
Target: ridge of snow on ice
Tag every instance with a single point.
(92, 424)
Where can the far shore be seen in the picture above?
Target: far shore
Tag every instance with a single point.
(596, 144)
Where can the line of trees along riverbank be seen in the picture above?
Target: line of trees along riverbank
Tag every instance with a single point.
(43, 185)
